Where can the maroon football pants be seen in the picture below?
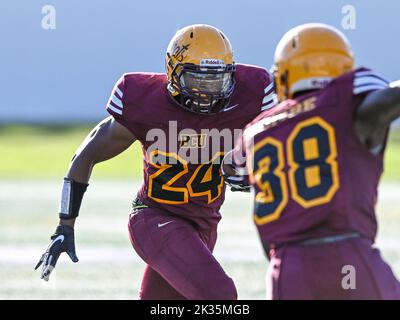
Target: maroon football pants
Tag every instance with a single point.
(349, 269)
(180, 264)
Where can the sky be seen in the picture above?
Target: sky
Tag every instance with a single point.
(67, 73)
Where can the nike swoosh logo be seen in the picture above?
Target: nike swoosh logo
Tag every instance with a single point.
(60, 237)
(234, 106)
(160, 225)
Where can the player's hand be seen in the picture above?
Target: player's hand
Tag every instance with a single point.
(63, 240)
(231, 177)
(237, 183)
(240, 188)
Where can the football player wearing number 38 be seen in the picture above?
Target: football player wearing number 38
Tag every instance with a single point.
(315, 161)
(173, 224)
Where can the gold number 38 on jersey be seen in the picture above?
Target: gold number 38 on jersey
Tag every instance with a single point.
(313, 169)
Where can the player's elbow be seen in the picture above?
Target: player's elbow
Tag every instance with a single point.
(391, 108)
(396, 96)
(393, 96)
(380, 108)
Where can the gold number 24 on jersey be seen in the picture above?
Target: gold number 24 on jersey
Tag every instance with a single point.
(206, 179)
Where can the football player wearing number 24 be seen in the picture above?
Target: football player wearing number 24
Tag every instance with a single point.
(315, 161)
(173, 223)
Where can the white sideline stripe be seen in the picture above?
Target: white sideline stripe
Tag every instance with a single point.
(117, 101)
(120, 93)
(29, 254)
(359, 90)
(111, 107)
(19, 255)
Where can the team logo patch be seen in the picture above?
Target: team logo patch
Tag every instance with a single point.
(179, 52)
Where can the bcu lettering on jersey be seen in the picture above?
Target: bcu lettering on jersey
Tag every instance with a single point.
(188, 144)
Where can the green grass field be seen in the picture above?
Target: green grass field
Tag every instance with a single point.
(33, 161)
(30, 152)
(108, 266)
(44, 152)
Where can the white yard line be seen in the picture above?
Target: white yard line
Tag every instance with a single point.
(20, 196)
(21, 255)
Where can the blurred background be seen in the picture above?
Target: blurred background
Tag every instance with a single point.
(58, 63)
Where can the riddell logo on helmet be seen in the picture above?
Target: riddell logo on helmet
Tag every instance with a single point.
(320, 83)
(211, 62)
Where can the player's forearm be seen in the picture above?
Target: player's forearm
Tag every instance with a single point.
(380, 108)
(396, 110)
(88, 153)
(391, 110)
(79, 171)
(107, 140)
(104, 142)
(81, 168)
(77, 178)
(74, 188)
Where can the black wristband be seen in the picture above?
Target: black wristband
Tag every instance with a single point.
(71, 198)
(64, 229)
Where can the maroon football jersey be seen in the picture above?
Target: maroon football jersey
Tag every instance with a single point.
(183, 150)
(312, 175)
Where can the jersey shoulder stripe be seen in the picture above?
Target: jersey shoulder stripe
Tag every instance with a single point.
(115, 103)
(269, 99)
(110, 107)
(365, 81)
(119, 93)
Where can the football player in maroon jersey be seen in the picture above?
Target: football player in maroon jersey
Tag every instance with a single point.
(173, 225)
(315, 161)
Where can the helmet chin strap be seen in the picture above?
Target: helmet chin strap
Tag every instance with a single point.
(172, 90)
(202, 108)
(202, 104)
